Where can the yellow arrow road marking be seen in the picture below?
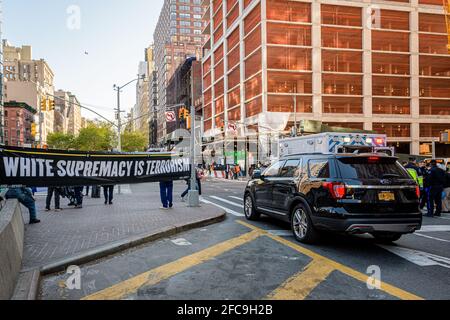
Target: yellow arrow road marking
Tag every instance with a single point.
(392, 290)
(152, 277)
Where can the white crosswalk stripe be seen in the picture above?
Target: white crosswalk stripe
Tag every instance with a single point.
(236, 198)
(227, 210)
(442, 228)
(228, 202)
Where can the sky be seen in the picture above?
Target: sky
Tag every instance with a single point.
(113, 33)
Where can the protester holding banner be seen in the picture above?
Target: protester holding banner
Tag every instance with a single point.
(50, 192)
(79, 197)
(108, 192)
(166, 192)
(25, 197)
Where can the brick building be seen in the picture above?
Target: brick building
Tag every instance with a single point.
(19, 117)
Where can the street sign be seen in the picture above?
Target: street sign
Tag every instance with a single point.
(232, 127)
(171, 116)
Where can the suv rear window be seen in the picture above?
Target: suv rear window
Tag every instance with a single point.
(319, 169)
(368, 168)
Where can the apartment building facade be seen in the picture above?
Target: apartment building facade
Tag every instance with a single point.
(29, 81)
(178, 36)
(373, 65)
(143, 97)
(62, 109)
(2, 140)
(74, 115)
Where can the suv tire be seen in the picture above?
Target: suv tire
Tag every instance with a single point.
(386, 237)
(250, 209)
(302, 225)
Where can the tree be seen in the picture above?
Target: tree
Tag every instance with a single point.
(61, 141)
(95, 138)
(134, 142)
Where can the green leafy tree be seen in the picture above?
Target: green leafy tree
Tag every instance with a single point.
(95, 138)
(61, 141)
(134, 142)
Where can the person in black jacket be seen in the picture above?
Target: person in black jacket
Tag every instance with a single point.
(436, 179)
(412, 165)
(108, 193)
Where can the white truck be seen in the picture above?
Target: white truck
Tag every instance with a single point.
(334, 142)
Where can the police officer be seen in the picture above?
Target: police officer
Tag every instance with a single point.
(437, 181)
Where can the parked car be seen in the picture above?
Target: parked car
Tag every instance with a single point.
(346, 193)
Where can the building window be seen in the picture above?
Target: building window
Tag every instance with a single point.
(293, 11)
(393, 130)
(432, 130)
(342, 105)
(284, 103)
(435, 107)
(342, 84)
(391, 106)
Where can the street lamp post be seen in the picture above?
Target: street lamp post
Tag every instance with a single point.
(193, 192)
(119, 118)
(119, 111)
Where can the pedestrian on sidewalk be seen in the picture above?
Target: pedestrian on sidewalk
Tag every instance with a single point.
(87, 191)
(437, 183)
(446, 199)
(166, 193)
(79, 197)
(238, 171)
(25, 197)
(227, 171)
(48, 202)
(185, 193)
(108, 192)
(199, 177)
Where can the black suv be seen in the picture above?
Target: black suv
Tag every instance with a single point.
(347, 193)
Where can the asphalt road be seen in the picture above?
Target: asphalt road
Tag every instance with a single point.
(261, 260)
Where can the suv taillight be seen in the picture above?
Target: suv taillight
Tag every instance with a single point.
(338, 190)
(418, 192)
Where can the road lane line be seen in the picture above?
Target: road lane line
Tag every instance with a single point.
(300, 286)
(228, 202)
(237, 198)
(152, 277)
(439, 228)
(229, 211)
(392, 290)
(420, 258)
(429, 237)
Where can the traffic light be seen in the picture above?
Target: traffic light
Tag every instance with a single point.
(43, 104)
(188, 122)
(52, 105)
(181, 113)
(33, 129)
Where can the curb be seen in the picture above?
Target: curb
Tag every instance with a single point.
(27, 287)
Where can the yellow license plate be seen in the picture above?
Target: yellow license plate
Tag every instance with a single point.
(386, 196)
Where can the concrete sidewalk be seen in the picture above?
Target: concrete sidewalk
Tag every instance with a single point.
(135, 215)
